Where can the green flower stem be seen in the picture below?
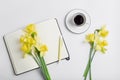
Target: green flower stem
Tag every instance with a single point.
(45, 68)
(38, 62)
(42, 64)
(90, 76)
(89, 63)
(87, 67)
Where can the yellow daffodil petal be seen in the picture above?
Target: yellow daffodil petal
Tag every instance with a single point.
(22, 39)
(90, 37)
(100, 45)
(31, 41)
(30, 28)
(104, 43)
(25, 48)
(43, 49)
(103, 32)
(98, 48)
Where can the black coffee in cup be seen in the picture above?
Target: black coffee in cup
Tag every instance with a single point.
(79, 19)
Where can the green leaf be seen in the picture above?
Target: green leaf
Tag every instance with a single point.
(36, 50)
(34, 34)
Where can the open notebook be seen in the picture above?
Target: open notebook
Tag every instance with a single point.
(49, 33)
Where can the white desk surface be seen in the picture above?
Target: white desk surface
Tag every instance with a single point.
(16, 13)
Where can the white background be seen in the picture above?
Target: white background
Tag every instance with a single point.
(14, 14)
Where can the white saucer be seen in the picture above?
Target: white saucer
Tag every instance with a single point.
(74, 28)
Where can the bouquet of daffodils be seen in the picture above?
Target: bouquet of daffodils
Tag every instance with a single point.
(97, 43)
(30, 44)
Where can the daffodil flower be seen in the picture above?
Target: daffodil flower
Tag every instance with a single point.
(97, 43)
(90, 37)
(26, 49)
(100, 46)
(43, 49)
(103, 32)
(31, 45)
(30, 28)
